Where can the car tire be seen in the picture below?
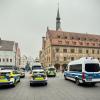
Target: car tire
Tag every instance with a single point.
(31, 84)
(14, 84)
(77, 82)
(65, 78)
(54, 75)
(19, 80)
(46, 83)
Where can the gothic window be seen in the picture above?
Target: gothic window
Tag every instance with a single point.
(65, 58)
(92, 51)
(65, 50)
(97, 51)
(72, 50)
(87, 51)
(80, 50)
(72, 58)
(57, 49)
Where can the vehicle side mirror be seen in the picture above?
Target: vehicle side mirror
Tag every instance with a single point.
(66, 69)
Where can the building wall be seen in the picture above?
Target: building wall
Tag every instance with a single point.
(72, 55)
(63, 54)
(61, 47)
(7, 58)
(23, 61)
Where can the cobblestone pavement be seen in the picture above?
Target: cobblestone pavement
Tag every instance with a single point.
(57, 89)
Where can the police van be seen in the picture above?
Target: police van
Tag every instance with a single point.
(83, 70)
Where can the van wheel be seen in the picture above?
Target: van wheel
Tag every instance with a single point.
(93, 84)
(77, 82)
(65, 78)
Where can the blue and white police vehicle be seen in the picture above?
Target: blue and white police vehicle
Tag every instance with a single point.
(83, 70)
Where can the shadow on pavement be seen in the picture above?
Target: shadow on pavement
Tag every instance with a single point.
(38, 85)
(5, 87)
(84, 85)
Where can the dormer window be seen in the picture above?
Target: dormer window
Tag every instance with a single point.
(93, 44)
(67, 42)
(81, 43)
(60, 42)
(74, 43)
(87, 43)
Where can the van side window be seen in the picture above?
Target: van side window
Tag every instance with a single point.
(77, 67)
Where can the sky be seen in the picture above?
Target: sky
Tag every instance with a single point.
(25, 21)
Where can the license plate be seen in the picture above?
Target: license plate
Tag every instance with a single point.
(39, 78)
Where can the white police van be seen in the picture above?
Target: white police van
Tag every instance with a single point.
(84, 70)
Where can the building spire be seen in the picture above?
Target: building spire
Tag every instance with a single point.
(58, 26)
(58, 15)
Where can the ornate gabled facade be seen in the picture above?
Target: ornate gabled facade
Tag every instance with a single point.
(59, 47)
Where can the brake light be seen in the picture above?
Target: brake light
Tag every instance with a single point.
(83, 75)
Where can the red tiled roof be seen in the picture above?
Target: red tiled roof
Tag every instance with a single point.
(6, 45)
(54, 34)
(64, 42)
(73, 39)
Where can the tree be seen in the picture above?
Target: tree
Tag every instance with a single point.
(27, 67)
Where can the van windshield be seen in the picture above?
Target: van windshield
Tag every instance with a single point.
(92, 67)
(36, 67)
(51, 69)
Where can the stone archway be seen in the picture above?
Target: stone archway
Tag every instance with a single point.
(57, 66)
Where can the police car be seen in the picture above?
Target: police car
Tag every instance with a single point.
(38, 75)
(9, 77)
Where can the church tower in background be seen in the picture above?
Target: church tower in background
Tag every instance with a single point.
(58, 23)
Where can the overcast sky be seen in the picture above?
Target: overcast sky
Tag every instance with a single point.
(25, 21)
